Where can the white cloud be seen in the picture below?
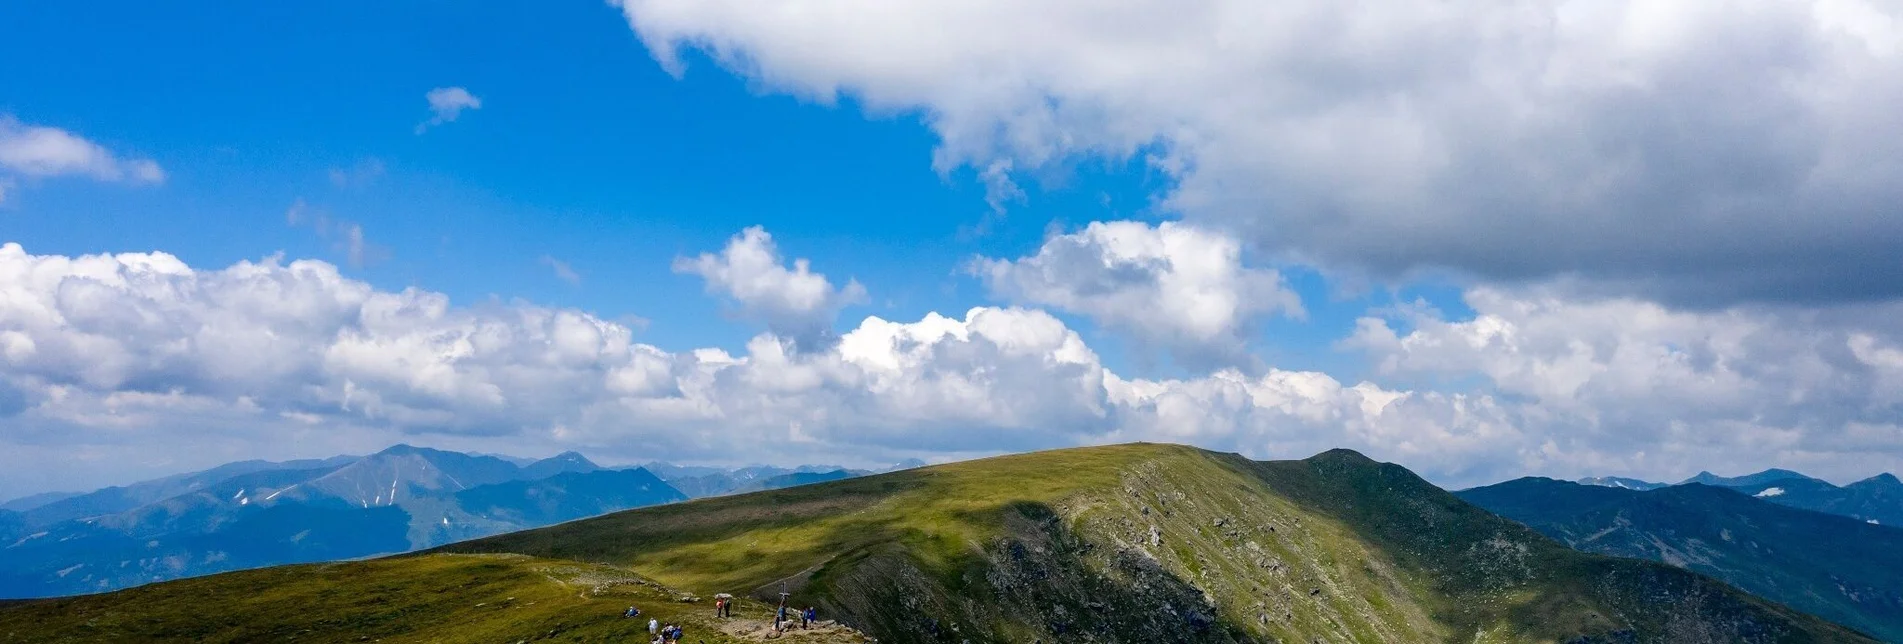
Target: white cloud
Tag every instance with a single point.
(1709, 150)
(35, 151)
(1172, 286)
(446, 104)
(562, 270)
(1636, 387)
(137, 364)
(139, 358)
(796, 303)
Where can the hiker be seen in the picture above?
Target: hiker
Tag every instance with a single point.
(632, 612)
(812, 615)
(680, 634)
(654, 626)
(804, 622)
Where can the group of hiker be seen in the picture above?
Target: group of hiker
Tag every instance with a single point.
(661, 633)
(723, 608)
(807, 617)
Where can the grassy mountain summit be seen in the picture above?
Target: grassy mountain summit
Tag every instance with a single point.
(1127, 543)
(1141, 542)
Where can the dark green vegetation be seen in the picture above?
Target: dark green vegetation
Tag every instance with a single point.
(1130, 543)
(1835, 567)
(252, 514)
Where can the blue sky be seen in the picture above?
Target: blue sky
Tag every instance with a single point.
(584, 151)
(1504, 263)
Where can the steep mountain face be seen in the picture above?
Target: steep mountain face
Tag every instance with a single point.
(397, 500)
(1835, 567)
(1621, 482)
(1141, 543)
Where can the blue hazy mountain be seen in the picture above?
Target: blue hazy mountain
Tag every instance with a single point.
(1621, 482)
(1836, 567)
(256, 513)
(701, 481)
(1878, 499)
(119, 499)
(1766, 477)
(32, 501)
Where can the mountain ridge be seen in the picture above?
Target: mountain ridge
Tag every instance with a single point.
(1836, 567)
(1238, 559)
(258, 513)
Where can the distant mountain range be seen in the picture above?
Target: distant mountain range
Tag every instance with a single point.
(700, 481)
(1621, 482)
(1124, 543)
(259, 513)
(1878, 499)
(1836, 567)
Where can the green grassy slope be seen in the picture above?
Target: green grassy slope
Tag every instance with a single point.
(439, 598)
(1128, 543)
(1168, 543)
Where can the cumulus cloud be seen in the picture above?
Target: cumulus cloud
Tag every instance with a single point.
(1712, 151)
(1169, 285)
(37, 151)
(138, 358)
(1632, 386)
(796, 303)
(137, 364)
(447, 103)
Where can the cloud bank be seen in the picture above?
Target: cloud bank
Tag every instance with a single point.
(1708, 152)
(140, 364)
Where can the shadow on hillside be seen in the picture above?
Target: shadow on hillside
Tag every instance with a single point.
(1493, 570)
(1037, 579)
